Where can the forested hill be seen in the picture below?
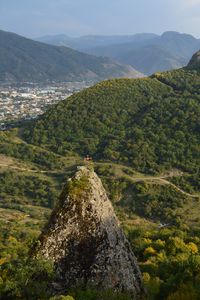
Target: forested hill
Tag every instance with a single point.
(152, 124)
(23, 59)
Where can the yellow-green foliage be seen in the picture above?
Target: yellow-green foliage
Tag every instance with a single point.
(61, 298)
(77, 187)
(170, 261)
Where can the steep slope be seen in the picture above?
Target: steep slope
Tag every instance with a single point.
(153, 58)
(152, 123)
(194, 63)
(181, 44)
(25, 60)
(83, 238)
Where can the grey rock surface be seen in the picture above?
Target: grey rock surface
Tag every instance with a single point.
(195, 61)
(85, 241)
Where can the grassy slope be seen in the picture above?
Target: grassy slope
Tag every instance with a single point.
(29, 182)
(138, 201)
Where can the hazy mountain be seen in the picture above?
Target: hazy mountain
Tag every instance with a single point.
(148, 53)
(23, 59)
(169, 51)
(92, 41)
(153, 58)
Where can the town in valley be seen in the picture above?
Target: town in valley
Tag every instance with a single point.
(25, 102)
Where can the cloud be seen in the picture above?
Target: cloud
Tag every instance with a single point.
(189, 3)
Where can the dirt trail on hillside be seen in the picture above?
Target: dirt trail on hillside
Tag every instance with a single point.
(24, 169)
(161, 179)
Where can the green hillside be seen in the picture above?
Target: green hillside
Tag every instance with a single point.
(158, 213)
(144, 136)
(25, 60)
(150, 124)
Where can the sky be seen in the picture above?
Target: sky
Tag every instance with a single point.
(35, 18)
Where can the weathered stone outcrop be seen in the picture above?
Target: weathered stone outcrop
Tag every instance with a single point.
(194, 63)
(85, 241)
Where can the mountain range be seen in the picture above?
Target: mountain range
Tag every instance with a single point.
(93, 58)
(148, 53)
(25, 60)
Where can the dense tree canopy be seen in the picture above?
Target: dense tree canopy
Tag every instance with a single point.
(151, 124)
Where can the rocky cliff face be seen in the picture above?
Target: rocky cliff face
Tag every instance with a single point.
(85, 241)
(195, 61)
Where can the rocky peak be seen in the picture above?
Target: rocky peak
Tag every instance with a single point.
(85, 241)
(194, 63)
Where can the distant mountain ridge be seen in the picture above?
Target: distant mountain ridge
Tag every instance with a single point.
(148, 53)
(91, 41)
(25, 60)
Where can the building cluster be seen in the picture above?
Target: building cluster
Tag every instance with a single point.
(19, 103)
